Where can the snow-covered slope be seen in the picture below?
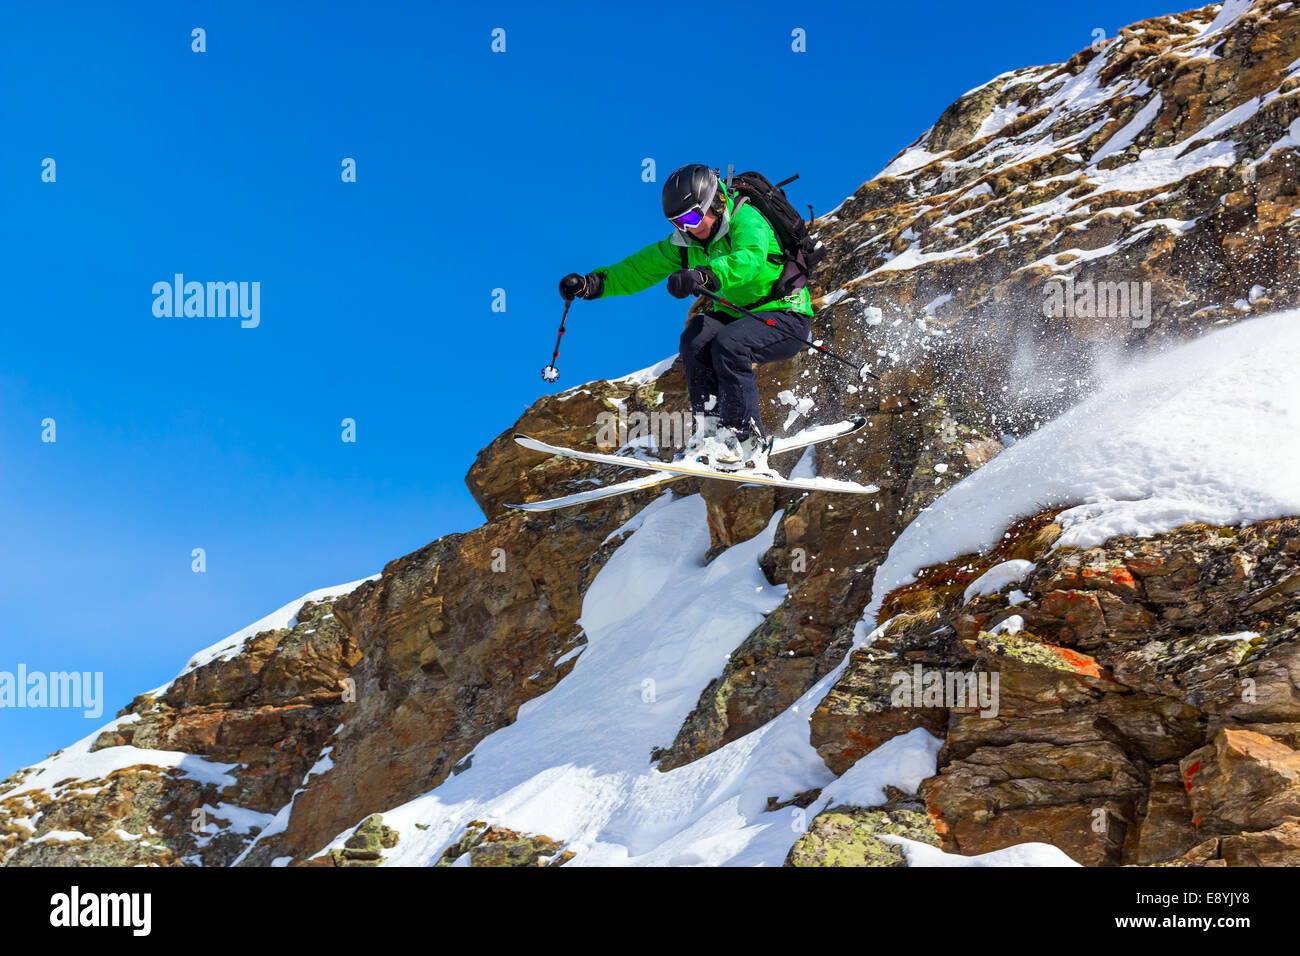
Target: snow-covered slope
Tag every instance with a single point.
(1207, 431)
(575, 763)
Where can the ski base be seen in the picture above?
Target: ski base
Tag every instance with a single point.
(666, 472)
(597, 494)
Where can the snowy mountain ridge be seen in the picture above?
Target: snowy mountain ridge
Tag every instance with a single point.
(1102, 513)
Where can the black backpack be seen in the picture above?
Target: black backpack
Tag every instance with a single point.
(800, 252)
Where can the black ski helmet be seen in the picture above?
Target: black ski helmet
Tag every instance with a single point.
(692, 185)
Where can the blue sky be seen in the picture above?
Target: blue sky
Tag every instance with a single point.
(475, 171)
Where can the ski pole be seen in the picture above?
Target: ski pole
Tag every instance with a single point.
(551, 373)
(862, 370)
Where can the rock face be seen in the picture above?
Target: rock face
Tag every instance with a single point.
(802, 640)
(1029, 177)
(365, 847)
(267, 711)
(486, 845)
(850, 836)
(1147, 706)
(453, 639)
(1146, 696)
(506, 473)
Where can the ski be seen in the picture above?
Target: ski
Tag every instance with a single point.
(652, 480)
(666, 472)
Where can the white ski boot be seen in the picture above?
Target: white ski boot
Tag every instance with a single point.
(706, 429)
(727, 452)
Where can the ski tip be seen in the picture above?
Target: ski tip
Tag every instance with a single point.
(859, 421)
(527, 442)
(530, 507)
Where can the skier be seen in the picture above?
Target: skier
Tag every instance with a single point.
(723, 246)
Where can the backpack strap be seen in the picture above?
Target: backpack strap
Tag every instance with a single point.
(776, 258)
(737, 202)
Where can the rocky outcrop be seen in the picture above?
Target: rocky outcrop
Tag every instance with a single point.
(266, 713)
(1165, 158)
(505, 473)
(1021, 181)
(365, 847)
(851, 836)
(453, 639)
(1145, 698)
(857, 715)
(394, 684)
(487, 845)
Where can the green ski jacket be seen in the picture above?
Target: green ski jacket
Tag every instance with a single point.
(737, 255)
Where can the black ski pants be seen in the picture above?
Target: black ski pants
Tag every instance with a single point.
(718, 355)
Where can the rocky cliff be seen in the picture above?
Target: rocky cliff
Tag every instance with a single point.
(1148, 701)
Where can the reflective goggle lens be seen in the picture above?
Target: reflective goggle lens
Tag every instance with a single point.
(690, 218)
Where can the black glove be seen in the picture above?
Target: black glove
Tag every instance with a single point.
(589, 286)
(686, 282)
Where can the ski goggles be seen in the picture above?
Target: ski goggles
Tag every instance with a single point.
(689, 219)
